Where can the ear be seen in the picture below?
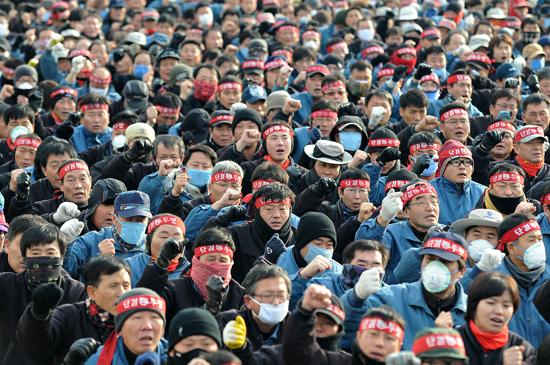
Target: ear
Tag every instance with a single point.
(247, 302)
(401, 111)
(91, 292)
(544, 207)
(7, 242)
(340, 193)
(491, 109)
(516, 145)
(411, 161)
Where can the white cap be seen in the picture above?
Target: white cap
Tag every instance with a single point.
(480, 40)
(408, 13)
(381, 11)
(495, 13)
(137, 38)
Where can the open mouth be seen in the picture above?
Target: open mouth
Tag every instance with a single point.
(281, 150)
(376, 355)
(464, 176)
(496, 321)
(146, 340)
(431, 216)
(78, 195)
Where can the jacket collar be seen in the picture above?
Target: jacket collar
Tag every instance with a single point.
(453, 187)
(417, 299)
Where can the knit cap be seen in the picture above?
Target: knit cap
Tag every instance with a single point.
(450, 150)
(25, 70)
(323, 227)
(138, 300)
(381, 139)
(248, 115)
(180, 72)
(399, 178)
(191, 322)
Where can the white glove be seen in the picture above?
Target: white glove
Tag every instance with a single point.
(78, 64)
(469, 21)
(369, 283)
(58, 50)
(54, 39)
(65, 212)
(376, 115)
(460, 50)
(520, 62)
(71, 229)
(403, 358)
(490, 259)
(391, 205)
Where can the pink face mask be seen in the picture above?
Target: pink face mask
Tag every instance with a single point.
(204, 90)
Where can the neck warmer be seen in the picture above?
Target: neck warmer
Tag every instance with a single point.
(266, 232)
(438, 305)
(130, 356)
(42, 270)
(524, 279)
(529, 37)
(284, 166)
(350, 275)
(201, 271)
(398, 61)
(331, 343)
(530, 168)
(311, 176)
(419, 234)
(359, 357)
(348, 213)
(100, 318)
(506, 206)
(489, 341)
(204, 90)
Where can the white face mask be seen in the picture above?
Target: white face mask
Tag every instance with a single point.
(366, 34)
(4, 31)
(206, 19)
(101, 92)
(312, 44)
(476, 249)
(534, 257)
(25, 86)
(436, 277)
(271, 314)
(118, 142)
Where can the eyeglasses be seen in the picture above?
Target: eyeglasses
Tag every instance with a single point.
(225, 185)
(332, 93)
(269, 298)
(458, 162)
(424, 204)
(353, 191)
(454, 123)
(326, 325)
(542, 113)
(506, 106)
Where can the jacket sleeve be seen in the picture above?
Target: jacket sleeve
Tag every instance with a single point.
(355, 310)
(152, 186)
(374, 173)
(308, 202)
(232, 154)
(370, 230)
(541, 301)
(408, 269)
(121, 169)
(172, 205)
(18, 208)
(197, 219)
(48, 67)
(344, 236)
(157, 280)
(76, 256)
(92, 154)
(482, 165)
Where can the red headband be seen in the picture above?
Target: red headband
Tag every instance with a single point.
(424, 146)
(282, 52)
(414, 191)
(26, 142)
(379, 324)
(143, 302)
(505, 177)
(340, 4)
(355, 183)
(511, 24)
(545, 199)
(99, 106)
(260, 202)
(337, 311)
(335, 46)
(64, 91)
(438, 341)
(430, 77)
(253, 64)
(405, 50)
(311, 33)
(219, 248)
(99, 81)
(446, 245)
(447, 22)
(121, 126)
(291, 28)
(265, 17)
(166, 220)
(228, 117)
(503, 125)
(8, 71)
(429, 32)
(526, 132)
(227, 176)
(274, 64)
(517, 232)
(63, 15)
(372, 49)
(456, 78)
(395, 184)
(324, 113)
(384, 72)
(455, 152)
(384, 142)
(72, 167)
(80, 52)
(168, 110)
(196, 30)
(318, 68)
(480, 57)
(454, 112)
(230, 86)
(333, 84)
(60, 3)
(259, 183)
(277, 128)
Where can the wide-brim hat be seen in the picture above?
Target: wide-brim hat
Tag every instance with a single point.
(328, 152)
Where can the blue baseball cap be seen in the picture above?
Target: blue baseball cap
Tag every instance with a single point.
(507, 70)
(159, 38)
(133, 203)
(449, 246)
(253, 93)
(117, 4)
(544, 40)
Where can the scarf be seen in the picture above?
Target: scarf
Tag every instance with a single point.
(348, 213)
(284, 166)
(524, 279)
(201, 271)
(438, 305)
(350, 275)
(100, 318)
(398, 61)
(108, 351)
(331, 343)
(359, 357)
(171, 267)
(505, 206)
(530, 168)
(56, 119)
(10, 144)
(489, 341)
(266, 232)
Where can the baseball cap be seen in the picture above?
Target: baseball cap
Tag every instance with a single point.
(446, 23)
(253, 66)
(431, 33)
(381, 11)
(257, 45)
(507, 70)
(71, 33)
(159, 38)
(533, 50)
(5, 44)
(133, 203)
(439, 343)
(480, 40)
(410, 27)
(315, 69)
(495, 13)
(135, 93)
(477, 217)
(117, 4)
(274, 62)
(334, 310)
(253, 93)
(528, 133)
(221, 117)
(150, 15)
(168, 53)
(142, 130)
(137, 38)
(449, 246)
(407, 13)
(544, 40)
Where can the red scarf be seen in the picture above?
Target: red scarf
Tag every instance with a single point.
(530, 168)
(201, 271)
(56, 119)
(489, 341)
(285, 165)
(10, 143)
(173, 264)
(108, 351)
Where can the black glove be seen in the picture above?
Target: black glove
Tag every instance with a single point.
(422, 163)
(491, 139)
(65, 131)
(46, 297)
(157, 84)
(177, 39)
(169, 250)
(388, 155)
(118, 55)
(389, 15)
(23, 186)
(422, 70)
(511, 83)
(399, 72)
(274, 248)
(141, 147)
(381, 58)
(74, 118)
(80, 351)
(247, 82)
(188, 138)
(234, 213)
(533, 82)
(215, 289)
(294, 174)
(35, 100)
(344, 109)
(323, 187)
(163, 129)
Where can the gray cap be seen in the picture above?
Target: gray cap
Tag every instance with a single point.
(257, 45)
(276, 100)
(180, 72)
(135, 93)
(328, 152)
(137, 38)
(25, 70)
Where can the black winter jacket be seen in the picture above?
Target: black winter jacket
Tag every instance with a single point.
(129, 173)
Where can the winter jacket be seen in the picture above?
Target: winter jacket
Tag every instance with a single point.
(42, 208)
(229, 153)
(307, 102)
(332, 280)
(129, 173)
(86, 247)
(248, 169)
(111, 94)
(15, 297)
(377, 183)
(408, 300)
(455, 204)
(141, 260)
(49, 69)
(4, 264)
(545, 229)
(41, 190)
(182, 293)
(119, 358)
(177, 207)
(83, 139)
(308, 202)
(436, 105)
(97, 153)
(5, 152)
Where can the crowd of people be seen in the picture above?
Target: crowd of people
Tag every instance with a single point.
(274, 182)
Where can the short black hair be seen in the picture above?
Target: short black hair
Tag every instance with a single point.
(271, 172)
(381, 93)
(302, 52)
(212, 68)
(435, 49)
(19, 111)
(334, 40)
(324, 104)
(414, 98)
(543, 73)
(529, 20)
(214, 236)
(387, 313)
(167, 99)
(68, 162)
(365, 245)
(353, 174)
(511, 222)
(332, 78)
(125, 116)
(487, 285)
(102, 265)
(53, 146)
(93, 98)
(275, 191)
(165, 18)
(22, 223)
(42, 234)
(505, 93)
(360, 66)
(252, 34)
(456, 105)
(169, 141)
(484, 22)
(535, 99)
(227, 58)
(507, 167)
(211, 55)
(423, 137)
(208, 151)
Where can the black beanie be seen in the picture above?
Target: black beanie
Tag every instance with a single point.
(193, 321)
(247, 114)
(454, 6)
(62, 91)
(220, 357)
(138, 300)
(398, 178)
(314, 225)
(382, 133)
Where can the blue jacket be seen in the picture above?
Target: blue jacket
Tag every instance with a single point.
(299, 284)
(545, 229)
(527, 322)
(138, 262)
(83, 139)
(436, 105)
(377, 184)
(85, 247)
(305, 98)
(456, 204)
(120, 359)
(408, 300)
(302, 140)
(49, 68)
(332, 280)
(112, 95)
(152, 185)
(396, 237)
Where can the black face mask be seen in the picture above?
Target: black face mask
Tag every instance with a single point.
(176, 89)
(416, 40)
(42, 270)
(24, 92)
(6, 81)
(506, 205)
(184, 359)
